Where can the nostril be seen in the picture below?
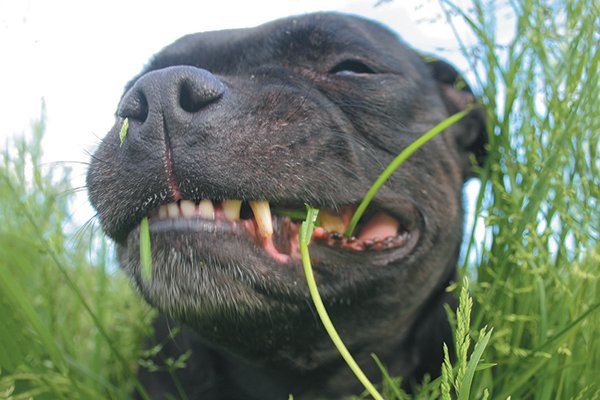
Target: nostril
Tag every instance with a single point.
(188, 101)
(195, 94)
(134, 106)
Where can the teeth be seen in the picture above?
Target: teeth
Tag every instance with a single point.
(162, 212)
(206, 209)
(332, 222)
(231, 209)
(262, 214)
(187, 208)
(173, 210)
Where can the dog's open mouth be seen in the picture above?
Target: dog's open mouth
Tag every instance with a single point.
(275, 227)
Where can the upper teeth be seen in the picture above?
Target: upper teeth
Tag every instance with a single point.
(332, 222)
(187, 208)
(206, 209)
(231, 210)
(173, 210)
(262, 214)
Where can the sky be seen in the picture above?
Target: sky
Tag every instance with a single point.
(78, 55)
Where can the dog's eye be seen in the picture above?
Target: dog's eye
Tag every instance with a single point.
(351, 67)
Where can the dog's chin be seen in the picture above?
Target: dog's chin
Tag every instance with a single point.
(217, 268)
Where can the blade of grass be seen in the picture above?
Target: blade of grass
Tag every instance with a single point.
(123, 132)
(293, 214)
(392, 387)
(465, 387)
(305, 233)
(145, 251)
(397, 162)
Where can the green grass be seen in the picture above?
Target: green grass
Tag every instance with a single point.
(537, 276)
(145, 251)
(396, 163)
(529, 325)
(123, 132)
(71, 328)
(306, 231)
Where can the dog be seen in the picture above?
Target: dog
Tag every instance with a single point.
(230, 133)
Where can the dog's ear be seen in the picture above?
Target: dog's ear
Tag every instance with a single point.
(471, 132)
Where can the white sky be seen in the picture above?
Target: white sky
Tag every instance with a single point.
(78, 55)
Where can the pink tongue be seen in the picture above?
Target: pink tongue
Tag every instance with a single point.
(380, 226)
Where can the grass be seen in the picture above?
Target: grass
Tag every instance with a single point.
(396, 163)
(529, 324)
(123, 132)
(537, 272)
(71, 328)
(145, 251)
(306, 231)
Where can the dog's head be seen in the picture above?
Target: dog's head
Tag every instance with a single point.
(231, 132)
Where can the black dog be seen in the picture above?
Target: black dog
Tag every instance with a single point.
(230, 130)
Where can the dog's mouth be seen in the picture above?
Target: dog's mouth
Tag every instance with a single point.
(275, 227)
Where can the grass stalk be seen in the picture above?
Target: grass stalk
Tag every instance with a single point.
(306, 231)
(397, 162)
(145, 251)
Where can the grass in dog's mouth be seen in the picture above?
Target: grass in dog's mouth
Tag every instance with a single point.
(145, 251)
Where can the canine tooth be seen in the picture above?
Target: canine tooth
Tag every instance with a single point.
(231, 209)
(262, 214)
(187, 208)
(162, 212)
(173, 210)
(332, 222)
(206, 209)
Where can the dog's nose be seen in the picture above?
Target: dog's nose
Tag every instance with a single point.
(172, 91)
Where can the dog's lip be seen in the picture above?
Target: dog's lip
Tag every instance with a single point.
(283, 245)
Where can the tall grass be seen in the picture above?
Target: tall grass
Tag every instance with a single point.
(536, 275)
(72, 328)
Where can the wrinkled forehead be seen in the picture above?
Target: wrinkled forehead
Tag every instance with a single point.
(304, 40)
